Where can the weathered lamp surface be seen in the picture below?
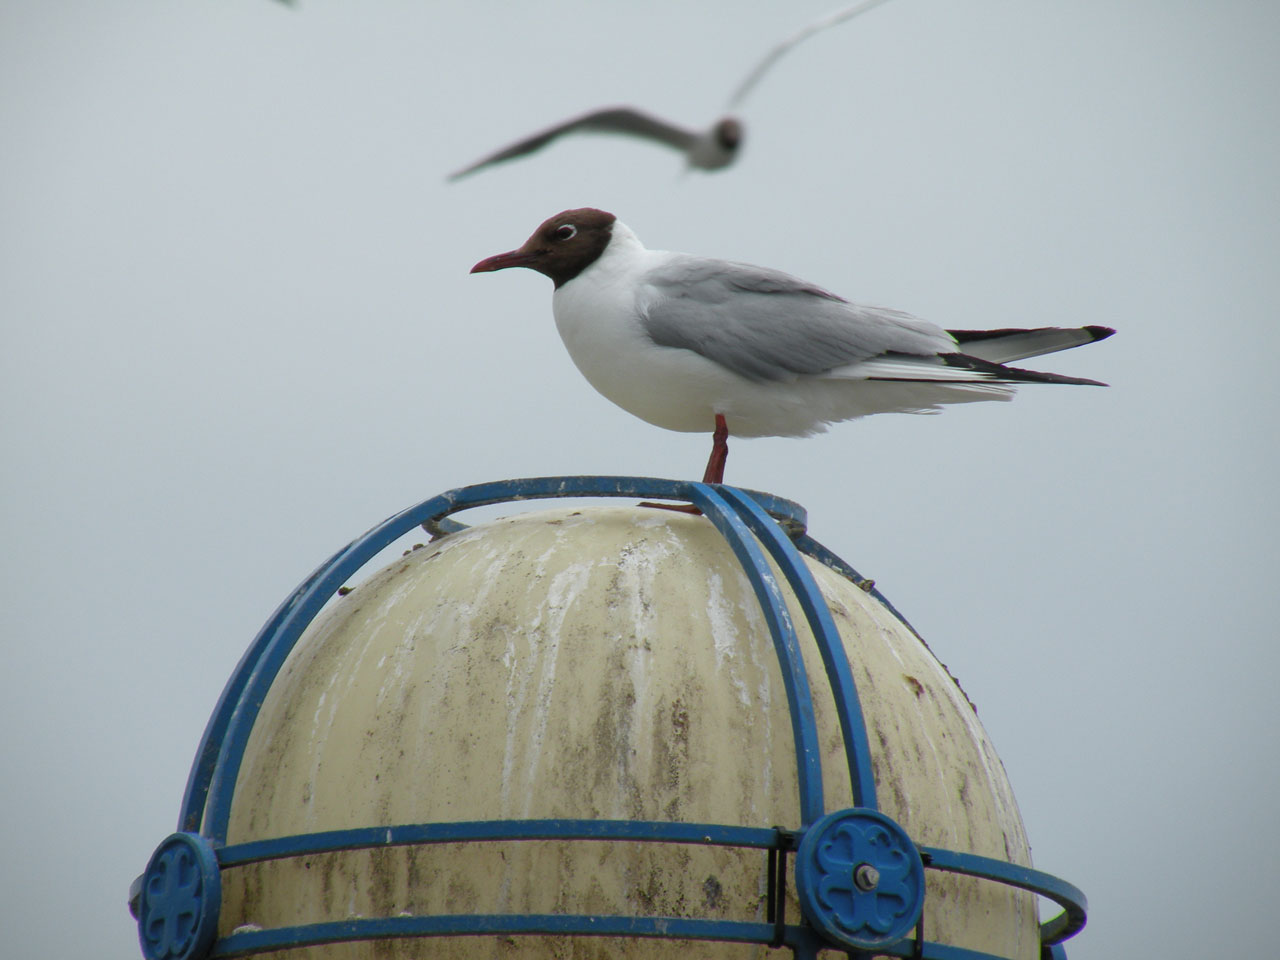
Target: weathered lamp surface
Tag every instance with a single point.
(605, 662)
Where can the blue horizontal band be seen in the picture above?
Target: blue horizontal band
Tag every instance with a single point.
(476, 925)
(1066, 895)
(252, 942)
(1060, 928)
(933, 951)
(239, 854)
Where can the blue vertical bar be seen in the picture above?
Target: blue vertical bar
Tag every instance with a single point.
(794, 677)
(830, 646)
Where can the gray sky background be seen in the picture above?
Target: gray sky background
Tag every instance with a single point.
(238, 330)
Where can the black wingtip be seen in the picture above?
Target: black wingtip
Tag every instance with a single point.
(998, 371)
(1098, 333)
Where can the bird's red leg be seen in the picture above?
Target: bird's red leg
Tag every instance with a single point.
(715, 467)
(719, 452)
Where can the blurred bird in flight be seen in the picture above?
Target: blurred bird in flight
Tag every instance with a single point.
(712, 148)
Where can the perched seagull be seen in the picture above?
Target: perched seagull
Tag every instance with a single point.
(709, 149)
(694, 344)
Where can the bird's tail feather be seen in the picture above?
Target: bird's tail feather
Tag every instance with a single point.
(1006, 374)
(948, 368)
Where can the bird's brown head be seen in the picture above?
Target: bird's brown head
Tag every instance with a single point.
(562, 247)
(728, 133)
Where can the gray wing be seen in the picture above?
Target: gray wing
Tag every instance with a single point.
(625, 120)
(767, 325)
(772, 57)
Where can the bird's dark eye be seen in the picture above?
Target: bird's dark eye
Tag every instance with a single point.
(566, 231)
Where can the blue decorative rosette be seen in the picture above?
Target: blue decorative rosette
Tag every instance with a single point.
(181, 894)
(860, 878)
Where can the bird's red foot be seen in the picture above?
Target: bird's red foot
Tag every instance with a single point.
(714, 472)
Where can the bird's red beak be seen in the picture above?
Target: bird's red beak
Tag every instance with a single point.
(512, 258)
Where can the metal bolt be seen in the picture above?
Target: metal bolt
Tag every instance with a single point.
(866, 877)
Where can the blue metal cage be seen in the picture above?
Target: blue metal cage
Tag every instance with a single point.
(859, 877)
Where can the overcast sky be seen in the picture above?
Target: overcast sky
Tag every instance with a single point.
(238, 330)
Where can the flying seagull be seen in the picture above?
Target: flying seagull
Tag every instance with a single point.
(709, 149)
(695, 344)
